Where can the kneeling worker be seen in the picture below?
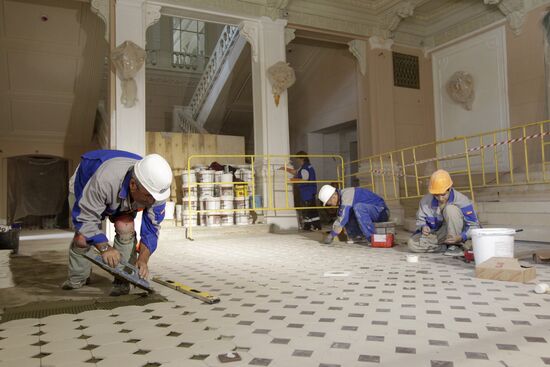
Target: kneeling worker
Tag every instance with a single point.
(444, 218)
(358, 210)
(116, 184)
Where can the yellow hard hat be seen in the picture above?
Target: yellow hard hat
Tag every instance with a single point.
(440, 182)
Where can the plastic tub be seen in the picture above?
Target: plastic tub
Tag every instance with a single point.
(492, 242)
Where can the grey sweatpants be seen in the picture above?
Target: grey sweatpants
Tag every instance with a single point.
(453, 224)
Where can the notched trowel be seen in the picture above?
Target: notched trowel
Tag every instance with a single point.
(132, 275)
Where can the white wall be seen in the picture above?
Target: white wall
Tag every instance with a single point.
(484, 57)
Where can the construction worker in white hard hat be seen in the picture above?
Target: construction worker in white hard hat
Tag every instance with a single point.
(116, 184)
(444, 219)
(358, 210)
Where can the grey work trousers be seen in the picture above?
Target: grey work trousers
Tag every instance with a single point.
(79, 267)
(453, 224)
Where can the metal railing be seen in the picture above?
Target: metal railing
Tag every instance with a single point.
(263, 179)
(506, 157)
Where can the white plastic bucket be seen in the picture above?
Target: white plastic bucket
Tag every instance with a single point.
(227, 179)
(207, 176)
(169, 210)
(492, 242)
(188, 178)
(227, 219)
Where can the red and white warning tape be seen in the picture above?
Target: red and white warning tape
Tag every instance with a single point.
(398, 170)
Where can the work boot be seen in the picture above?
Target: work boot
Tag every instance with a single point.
(69, 285)
(454, 250)
(120, 288)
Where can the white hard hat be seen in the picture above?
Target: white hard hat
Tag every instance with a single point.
(155, 175)
(325, 193)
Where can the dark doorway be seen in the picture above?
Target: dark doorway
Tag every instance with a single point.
(37, 191)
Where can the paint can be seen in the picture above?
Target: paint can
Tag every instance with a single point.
(226, 191)
(227, 219)
(189, 219)
(169, 210)
(179, 209)
(212, 204)
(206, 176)
(213, 220)
(227, 180)
(207, 190)
(241, 190)
(188, 178)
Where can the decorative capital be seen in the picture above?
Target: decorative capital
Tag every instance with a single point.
(514, 10)
(152, 14)
(358, 48)
(101, 9)
(276, 8)
(377, 42)
(249, 30)
(290, 34)
(400, 12)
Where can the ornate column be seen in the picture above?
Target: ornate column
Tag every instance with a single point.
(271, 131)
(133, 17)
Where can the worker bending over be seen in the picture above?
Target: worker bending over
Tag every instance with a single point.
(444, 218)
(116, 184)
(358, 210)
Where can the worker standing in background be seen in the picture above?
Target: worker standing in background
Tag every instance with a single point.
(116, 184)
(444, 218)
(358, 210)
(307, 191)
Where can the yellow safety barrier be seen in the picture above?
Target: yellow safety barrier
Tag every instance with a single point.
(263, 180)
(504, 157)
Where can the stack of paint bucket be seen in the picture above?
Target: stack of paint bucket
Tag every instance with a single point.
(227, 197)
(242, 194)
(189, 188)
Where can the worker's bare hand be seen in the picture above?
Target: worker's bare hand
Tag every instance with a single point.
(111, 257)
(452, 240)
(426, 230)
(143, 268)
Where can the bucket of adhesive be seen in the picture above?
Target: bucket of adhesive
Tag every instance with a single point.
(207, 175)
(241, 190)
(227, 219)
(227, 180)
(492, 242)
(212, 204)
(188, 178)
(179, 209)
(207, 190)
(213, 220)
(226, 202)
(169, 209)
(226, 191)
(241, 203)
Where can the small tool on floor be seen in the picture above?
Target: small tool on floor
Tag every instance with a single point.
(229, 357)
(203, 296)
(132, 276)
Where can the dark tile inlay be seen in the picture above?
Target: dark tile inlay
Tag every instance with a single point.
(369, 358)
(260, 362)
(405, 350)
(302, 353)
(441, 343)
(476, 355)
(507, 347)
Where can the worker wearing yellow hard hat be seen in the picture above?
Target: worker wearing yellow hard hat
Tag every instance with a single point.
(444, 218)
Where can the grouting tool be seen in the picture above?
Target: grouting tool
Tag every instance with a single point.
(203, 296)
(132, 276)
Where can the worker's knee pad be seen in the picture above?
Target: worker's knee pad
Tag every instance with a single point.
(124, 227)
(79, 244)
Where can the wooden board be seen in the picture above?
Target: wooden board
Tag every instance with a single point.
(177, 147)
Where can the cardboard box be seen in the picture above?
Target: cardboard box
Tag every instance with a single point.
(541, 257)
(507, 269)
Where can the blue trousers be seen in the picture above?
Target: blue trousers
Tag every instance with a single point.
(362, 219)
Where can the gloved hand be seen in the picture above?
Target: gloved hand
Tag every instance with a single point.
(328, 239)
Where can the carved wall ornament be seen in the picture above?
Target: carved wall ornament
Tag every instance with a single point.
(249, 30)
(128, 59)
(101, 9)
(514, 10)
(290, 34)
(152, 14)
(281, 76)
(461, 89)
(358, 48)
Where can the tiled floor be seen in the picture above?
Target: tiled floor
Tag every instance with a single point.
(282, 307)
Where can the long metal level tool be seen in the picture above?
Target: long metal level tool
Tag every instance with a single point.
(132, 276)
(203, 296)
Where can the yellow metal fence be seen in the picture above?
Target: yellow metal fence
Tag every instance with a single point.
(506, 157)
